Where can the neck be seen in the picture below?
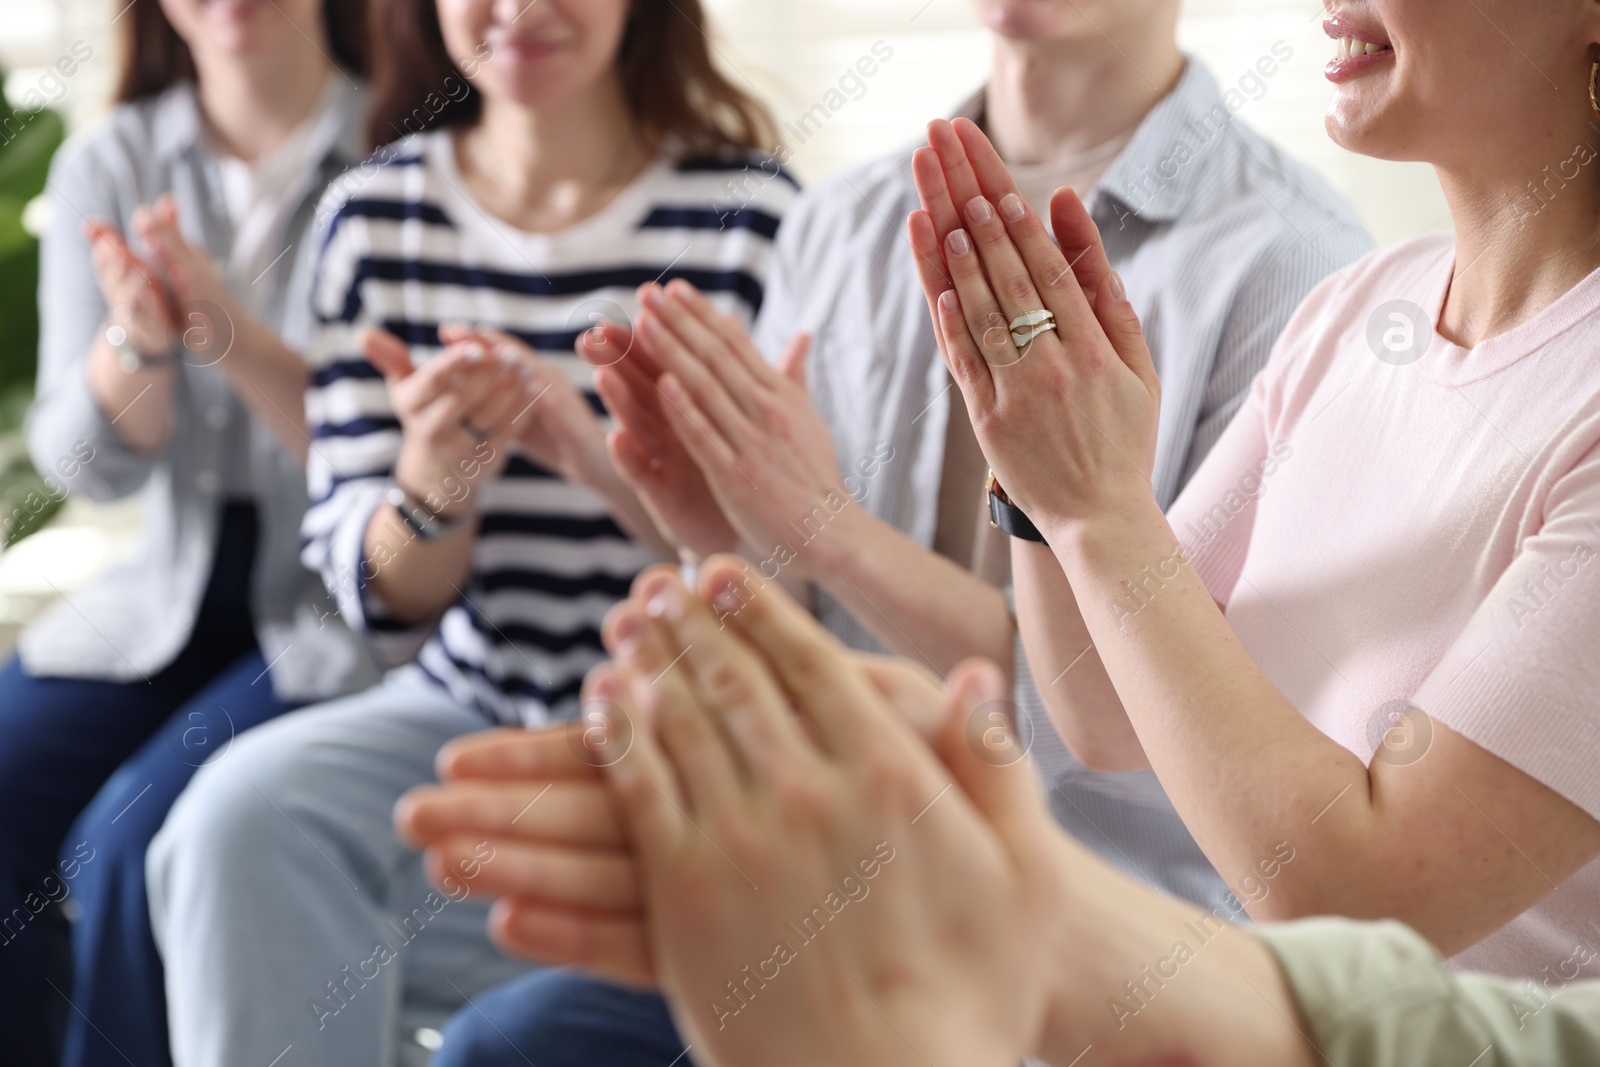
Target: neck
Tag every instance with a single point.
(252, 104)
(1052, 99)
(547, 168)
(1523, 237)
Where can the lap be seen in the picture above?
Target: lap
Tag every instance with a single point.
(562, 1019)
(130, 806)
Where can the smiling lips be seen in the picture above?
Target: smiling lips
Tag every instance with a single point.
(1356, 49)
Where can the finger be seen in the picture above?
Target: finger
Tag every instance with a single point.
(639, 467)
(610, 345)
(1006, 794)
(600, 879)
(1121, 325)
(911, 689)
(449, 371)
(613, 947)
(959, 178)
(469, 390)
(735, 688)
(968, 365)
(386, 352)
(636, 411)
(813, 668)
(1008, 278)
(927, 174)
(735, 338)
(514, 753)
(1079, 239)
(986, 326)
(642, 780)
(649, 660)
(700, 359)
(699, 436)
(792, 363)
(570, 811)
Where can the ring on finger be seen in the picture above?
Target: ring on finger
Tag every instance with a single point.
(477, 435)
(1031, 324)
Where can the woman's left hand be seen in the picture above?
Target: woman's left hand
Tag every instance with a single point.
(1068, 422)
(207, 316)
(557, 429)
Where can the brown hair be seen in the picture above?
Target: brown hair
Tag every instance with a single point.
(155, 58)
(672, 87)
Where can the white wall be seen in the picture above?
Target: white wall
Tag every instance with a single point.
(793, 51)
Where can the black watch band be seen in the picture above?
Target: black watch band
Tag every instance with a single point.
(1007, 516)
(419, 520)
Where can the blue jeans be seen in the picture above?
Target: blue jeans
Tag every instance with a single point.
(88, 770)
(562, 1019)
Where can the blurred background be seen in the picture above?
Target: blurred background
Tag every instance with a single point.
(792, 52)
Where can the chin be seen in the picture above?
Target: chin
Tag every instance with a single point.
(1028, 20)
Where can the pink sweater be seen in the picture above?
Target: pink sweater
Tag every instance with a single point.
(1385, 531)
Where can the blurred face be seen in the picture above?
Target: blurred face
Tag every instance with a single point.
(242, 28)
(535, 53)
(1460, 83)
(1071, 20)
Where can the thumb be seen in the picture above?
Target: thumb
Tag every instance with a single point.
(387, 352)
(1121, 324)
(792, 363)
(979, 741)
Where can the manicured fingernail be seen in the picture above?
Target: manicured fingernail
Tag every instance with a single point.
(1116, 286)
(627, 631)
(978, 211)
(727, 596)
(1012, 208)
(667, 604)
(950, 302)
(959, 245)
(475, 352)
(651, 297)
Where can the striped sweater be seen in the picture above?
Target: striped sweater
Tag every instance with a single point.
(406, 248)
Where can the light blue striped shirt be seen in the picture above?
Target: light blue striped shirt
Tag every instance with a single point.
(1217, 235)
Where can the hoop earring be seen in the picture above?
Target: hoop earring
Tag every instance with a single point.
(1594, 76)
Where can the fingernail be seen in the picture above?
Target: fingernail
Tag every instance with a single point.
(667, 604)
(651, 297)
(1012, 208)
(671, 387)
(959, 245)
(475, 352)
(1116, 286)
(629, 628)
(727, 597)
(978, 210)
(950, 302)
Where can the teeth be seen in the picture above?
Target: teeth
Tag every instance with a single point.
(1350, 47)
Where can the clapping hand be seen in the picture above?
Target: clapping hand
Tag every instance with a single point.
(1067, 422)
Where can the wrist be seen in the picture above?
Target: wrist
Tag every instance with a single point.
(842, 548)
(1082, 539)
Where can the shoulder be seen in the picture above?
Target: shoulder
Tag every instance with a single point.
(123, 145)
(391, 183)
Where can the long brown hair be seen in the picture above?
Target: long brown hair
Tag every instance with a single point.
(155, 58)
(673, 89)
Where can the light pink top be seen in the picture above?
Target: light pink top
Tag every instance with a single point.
(1384, 531)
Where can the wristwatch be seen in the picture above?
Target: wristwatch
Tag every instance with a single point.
(421, 521)
(129, 358)
(1007, 516)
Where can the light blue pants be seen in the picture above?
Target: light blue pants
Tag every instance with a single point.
(295, 927)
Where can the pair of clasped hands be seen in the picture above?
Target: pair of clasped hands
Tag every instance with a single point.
(734, 762)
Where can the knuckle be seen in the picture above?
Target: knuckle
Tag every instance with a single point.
(1019, 287)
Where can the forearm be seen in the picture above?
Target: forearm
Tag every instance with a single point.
(594, 469)
(1147, 978)
(137, 403)
(1204, 712)
(1082, 703)
(912, 599)
(416, 579)
(270, 379)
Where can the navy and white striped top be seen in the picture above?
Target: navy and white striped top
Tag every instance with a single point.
(407, 248)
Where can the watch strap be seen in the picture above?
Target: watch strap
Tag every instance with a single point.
(421, 521)
(1008, 517)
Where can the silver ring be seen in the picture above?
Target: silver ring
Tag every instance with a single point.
(477, 434)
(1027, 326)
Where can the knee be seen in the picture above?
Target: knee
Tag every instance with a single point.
(237, 819)
(559, 1019)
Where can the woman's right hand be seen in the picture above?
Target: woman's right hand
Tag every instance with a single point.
(456, 416)
(135, 296)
